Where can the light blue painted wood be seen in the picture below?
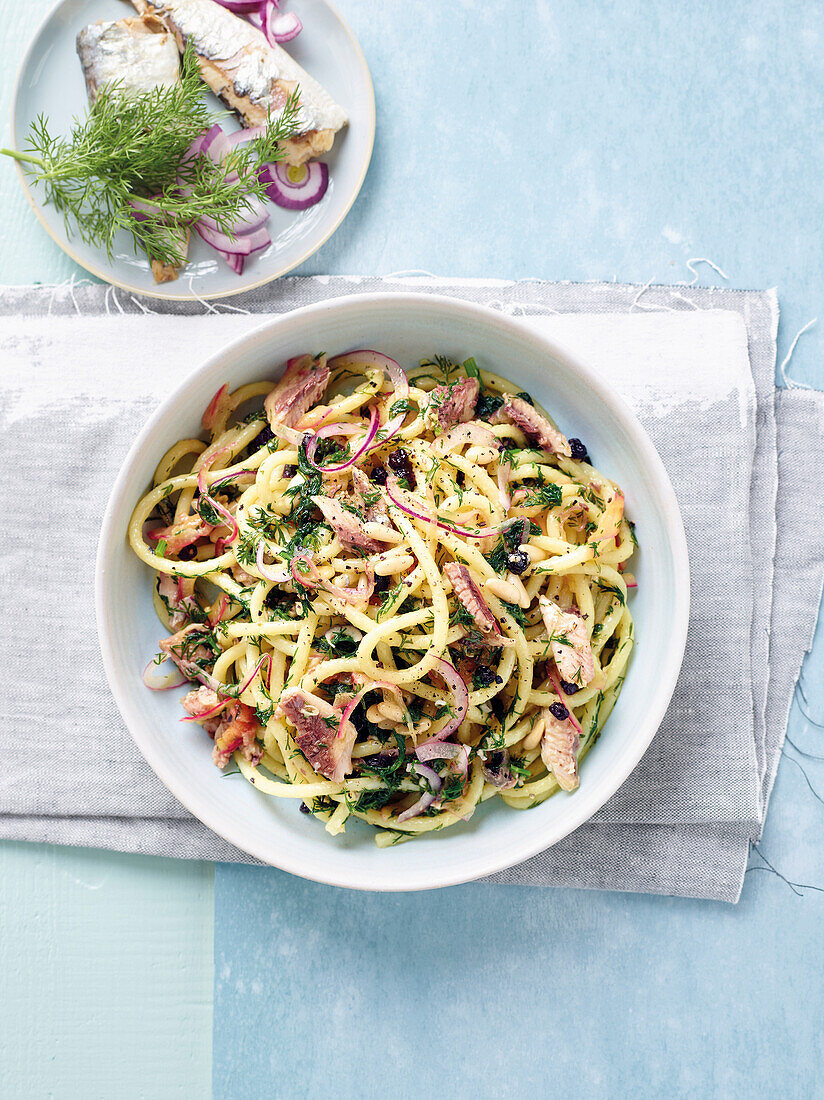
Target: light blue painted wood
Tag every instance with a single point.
(569, 141)
(105, 959)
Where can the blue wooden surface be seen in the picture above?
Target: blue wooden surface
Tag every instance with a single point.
(578, 141)
(568, 141)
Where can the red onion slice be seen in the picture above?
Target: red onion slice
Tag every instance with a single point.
(460, 692)
(265, 570)
(280, 26)
(369, 686)
(297, 192)
(343, 429)
(483, 533)
(240, 246)
(428, 797)
(236, 692)
(240, 7)
(464, 433)
(157, 680)
(311, 578)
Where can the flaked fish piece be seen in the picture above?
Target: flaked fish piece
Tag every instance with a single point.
(368, 499)
(315, 723)
(471, 598)
(142, 55)
(569, 642)
(237, 731)
(559, 749)
(349, 528)
(177, 594)
(532, 424)
(302, 385)
(251, 76)
(199, 703)
(184, 651)
(497, 770)
(139, 53)
(454, 404)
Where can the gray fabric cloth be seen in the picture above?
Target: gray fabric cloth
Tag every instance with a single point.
(681, 824)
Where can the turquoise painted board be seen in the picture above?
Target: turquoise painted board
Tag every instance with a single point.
(568, 141)
(105, 960)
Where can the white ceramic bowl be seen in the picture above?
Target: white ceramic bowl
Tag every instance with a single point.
(408, 327)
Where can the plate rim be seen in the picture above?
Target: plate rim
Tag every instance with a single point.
(435, 878)
(65, 244)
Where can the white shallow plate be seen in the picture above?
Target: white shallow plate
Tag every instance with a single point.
(408, 327)
(50, 82)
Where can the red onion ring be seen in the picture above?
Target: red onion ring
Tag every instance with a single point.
(351, 595)
(264, 569)
(342, 429)
(464, 433)
(367, 357)
(369, 686)
(456, 683)
(483, 533)
(204, 494)
(162, 681)
(428, 797)
(236, 694)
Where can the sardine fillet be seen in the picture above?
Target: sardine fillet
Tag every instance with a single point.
(252, 77)
(140, 53)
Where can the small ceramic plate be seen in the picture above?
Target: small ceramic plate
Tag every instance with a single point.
(50, 82)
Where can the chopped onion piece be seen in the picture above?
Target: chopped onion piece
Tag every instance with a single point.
(156, 678)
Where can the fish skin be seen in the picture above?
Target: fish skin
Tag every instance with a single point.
(532, 424)
(251, 65)
(302, 385)
(469, 595)
(329, 754)
(140, 52)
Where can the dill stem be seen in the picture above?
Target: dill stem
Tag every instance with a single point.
(28, 157)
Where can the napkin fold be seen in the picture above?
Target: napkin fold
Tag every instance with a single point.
(81, 368)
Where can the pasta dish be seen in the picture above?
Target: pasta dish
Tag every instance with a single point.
(392, 596)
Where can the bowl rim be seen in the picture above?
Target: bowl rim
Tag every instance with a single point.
(112, 539)
(64, 242)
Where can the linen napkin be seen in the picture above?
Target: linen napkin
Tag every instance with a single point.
(81, 367)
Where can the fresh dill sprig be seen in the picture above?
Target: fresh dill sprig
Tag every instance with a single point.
(123, 167)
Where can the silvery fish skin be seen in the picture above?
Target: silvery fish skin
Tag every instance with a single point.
(142, 55)
(138, 52)
(248, 74)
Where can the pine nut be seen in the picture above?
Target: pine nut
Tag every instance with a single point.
(390, 711)
(503, 590)
(533, 738)
(397, 563)
(523, 599)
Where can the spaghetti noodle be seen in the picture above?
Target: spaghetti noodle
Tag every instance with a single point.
(396, 597)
